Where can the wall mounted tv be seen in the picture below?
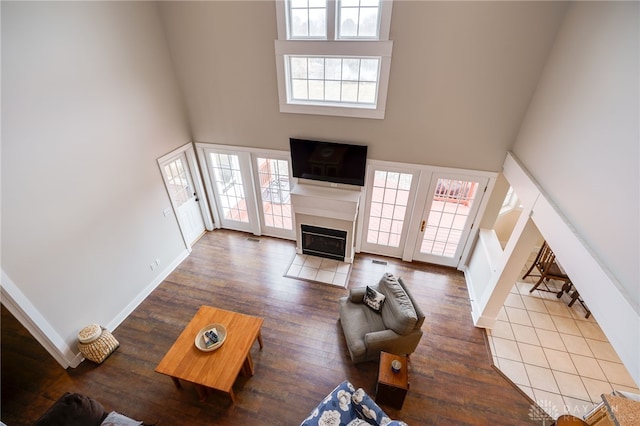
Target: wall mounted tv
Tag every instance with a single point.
(328, 161)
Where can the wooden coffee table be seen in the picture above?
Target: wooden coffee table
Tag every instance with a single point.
(217, 369)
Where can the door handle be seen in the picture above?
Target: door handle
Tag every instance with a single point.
(424, 223)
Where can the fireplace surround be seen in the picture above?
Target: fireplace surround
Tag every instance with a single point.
(333, 211)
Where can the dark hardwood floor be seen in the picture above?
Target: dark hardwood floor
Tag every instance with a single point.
(304, 357)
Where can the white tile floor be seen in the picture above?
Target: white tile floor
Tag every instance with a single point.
(549, 350)
(319, 269)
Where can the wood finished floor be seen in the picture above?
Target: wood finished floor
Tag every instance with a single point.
(304, 358)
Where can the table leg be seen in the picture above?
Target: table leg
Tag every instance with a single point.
(202, 392)
(176, 382)
(232, 396)
(247, 367)
(260, 339)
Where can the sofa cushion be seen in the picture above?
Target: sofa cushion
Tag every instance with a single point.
(73, 409)
(419, 312)
(398, 312)
(373, 299)
(335, 409)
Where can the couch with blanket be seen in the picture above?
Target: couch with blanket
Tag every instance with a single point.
(346, 406)
(74, 409)
(380, 317)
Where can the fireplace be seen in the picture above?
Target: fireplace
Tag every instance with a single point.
(323, 242)
(326, 221)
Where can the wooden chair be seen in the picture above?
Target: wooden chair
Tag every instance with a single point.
(547, 269)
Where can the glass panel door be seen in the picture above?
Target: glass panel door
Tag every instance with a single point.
(274, 185)
(177, 178)
(451, 207)
(389, 203)
(230, 191)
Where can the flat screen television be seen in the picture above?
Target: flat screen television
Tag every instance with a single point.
(328, 161)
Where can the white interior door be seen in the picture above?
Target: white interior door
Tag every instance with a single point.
(179, 182)
(389, 203)
(451, 207)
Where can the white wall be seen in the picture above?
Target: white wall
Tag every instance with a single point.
(89, 102)
(462, 75)
(580, 138)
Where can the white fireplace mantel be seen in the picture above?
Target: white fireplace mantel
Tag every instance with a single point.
(325, 202)
(326, 207)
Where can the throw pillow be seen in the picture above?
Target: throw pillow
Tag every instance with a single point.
(373, 299)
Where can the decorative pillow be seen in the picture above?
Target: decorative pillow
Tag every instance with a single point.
(373, 299)
(367, 408)
(335, 409)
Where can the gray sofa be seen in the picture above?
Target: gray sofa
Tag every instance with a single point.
(395, 329)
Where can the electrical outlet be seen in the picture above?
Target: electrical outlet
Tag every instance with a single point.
(157, 262)
(152, 266)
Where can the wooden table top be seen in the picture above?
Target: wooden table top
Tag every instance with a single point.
(217, 369)
(388, 377)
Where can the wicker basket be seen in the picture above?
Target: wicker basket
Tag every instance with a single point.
(98, 349)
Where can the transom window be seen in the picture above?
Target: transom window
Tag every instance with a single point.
(333, 57)
(358, 19)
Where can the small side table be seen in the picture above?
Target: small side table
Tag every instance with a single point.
(392, 388)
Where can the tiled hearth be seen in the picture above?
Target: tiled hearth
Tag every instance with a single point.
(319, 269)
(552, 353)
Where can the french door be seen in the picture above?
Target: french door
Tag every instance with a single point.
(229, 185)
(423, 214)
(272, 178)
(250, 191)
(390, 197)
(450, 209)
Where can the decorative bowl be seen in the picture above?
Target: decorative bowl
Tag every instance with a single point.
(222, 336)
(396, 366)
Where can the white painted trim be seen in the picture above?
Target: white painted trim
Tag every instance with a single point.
(29, 316)
(431, 169)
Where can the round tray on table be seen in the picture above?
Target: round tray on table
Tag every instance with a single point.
(222, 335)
